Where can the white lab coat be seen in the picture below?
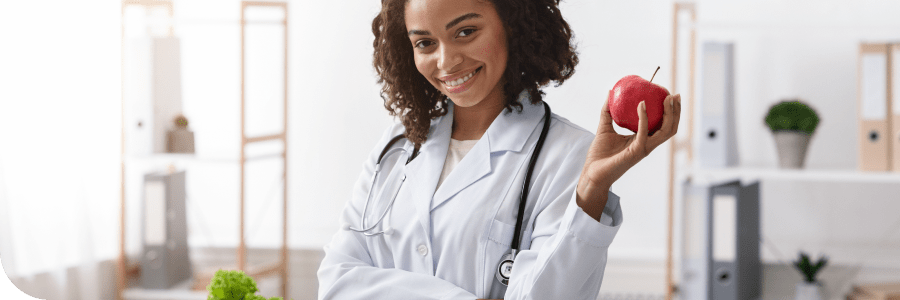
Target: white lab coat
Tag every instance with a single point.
(447, 242)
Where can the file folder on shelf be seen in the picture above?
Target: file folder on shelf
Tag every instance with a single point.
(717, 147)
(874, 124)
(721, 259)
(165, 260)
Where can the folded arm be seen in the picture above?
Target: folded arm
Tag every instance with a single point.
(347, 270)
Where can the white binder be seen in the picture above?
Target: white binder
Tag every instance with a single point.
(717, 145)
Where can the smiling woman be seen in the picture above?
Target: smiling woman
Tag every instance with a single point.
(423, 48)
(478, 202)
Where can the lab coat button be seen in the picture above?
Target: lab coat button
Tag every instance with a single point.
(423, 250)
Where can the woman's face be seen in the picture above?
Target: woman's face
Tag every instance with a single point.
(460, 47)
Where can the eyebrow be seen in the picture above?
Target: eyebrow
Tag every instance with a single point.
(449, 25)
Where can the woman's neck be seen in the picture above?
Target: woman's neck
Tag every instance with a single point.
(470, 123)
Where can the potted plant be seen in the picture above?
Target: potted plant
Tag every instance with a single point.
(810, 288)
(792, 123)
(180, 139)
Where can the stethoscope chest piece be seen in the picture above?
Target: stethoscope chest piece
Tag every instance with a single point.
(504, 268)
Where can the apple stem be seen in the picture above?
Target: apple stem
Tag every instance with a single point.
(654, 73)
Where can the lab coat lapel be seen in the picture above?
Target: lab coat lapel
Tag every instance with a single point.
(508, 132)
(424, 171)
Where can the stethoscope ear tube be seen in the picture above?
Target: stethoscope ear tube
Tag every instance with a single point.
(387, 151)
(387, 230)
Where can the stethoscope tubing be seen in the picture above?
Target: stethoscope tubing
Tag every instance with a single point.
(527, 183)
(365, 230)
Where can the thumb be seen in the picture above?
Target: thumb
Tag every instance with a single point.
(605, 117)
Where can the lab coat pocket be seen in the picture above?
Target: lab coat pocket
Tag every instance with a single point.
(501, 233)
(499, 239)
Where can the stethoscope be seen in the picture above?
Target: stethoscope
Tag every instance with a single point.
(504, 267)
(387, 230)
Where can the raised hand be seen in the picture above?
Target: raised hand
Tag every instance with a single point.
(612, 154)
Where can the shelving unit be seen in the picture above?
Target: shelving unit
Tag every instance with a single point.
(129, 271)
(844, 213)
(834, 176)
(847, 214)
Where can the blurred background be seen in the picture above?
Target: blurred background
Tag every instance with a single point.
(80, 80)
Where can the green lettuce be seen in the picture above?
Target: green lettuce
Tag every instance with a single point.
(233, 285)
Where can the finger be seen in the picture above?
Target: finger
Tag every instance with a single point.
(606, 117)
(677, 114)
(640, 141)
(665, 130)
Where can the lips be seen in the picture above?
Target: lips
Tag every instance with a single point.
(462, 83)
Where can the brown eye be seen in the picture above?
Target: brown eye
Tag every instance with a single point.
(466, 32)
(422, 44)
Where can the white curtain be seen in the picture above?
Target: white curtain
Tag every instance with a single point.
(59, 147)
(47, 244)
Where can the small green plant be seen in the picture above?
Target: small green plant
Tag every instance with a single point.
(233, 285)
(809, 268)
(792, 115)
(181, 121)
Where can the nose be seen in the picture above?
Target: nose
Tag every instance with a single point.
(449, 57)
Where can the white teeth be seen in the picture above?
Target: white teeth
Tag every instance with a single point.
(460, 81)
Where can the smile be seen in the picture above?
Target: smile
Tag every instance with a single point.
(455, 83)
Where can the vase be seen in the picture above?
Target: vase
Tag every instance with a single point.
(792, 147)
(808, 291)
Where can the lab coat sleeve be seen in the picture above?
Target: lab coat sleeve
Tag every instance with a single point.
(347, 270)
(568, 251)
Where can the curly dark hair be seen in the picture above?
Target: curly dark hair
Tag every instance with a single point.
(540, 52)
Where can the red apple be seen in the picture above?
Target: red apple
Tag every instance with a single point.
(628, 93)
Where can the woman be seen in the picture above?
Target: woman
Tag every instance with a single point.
(464, 76)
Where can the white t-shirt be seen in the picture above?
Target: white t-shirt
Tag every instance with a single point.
(457, 151)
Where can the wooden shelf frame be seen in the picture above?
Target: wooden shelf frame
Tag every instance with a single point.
(281, 267)
(126, 270)
(674, 144)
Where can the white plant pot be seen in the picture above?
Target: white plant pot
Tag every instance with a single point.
(808, 291)
(792, 147)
